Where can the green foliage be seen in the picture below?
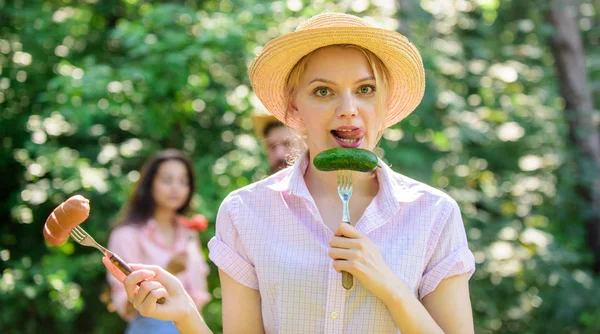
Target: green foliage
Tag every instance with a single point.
(89, 89)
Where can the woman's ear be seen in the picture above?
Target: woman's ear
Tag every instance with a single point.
(292, 108)
(293, 113)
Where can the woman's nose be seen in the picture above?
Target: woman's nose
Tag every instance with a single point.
(347, 106)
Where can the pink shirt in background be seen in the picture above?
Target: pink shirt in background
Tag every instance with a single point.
(143, 244)
(270, 237)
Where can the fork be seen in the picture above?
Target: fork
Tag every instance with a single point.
(83, 238)
(344, 182)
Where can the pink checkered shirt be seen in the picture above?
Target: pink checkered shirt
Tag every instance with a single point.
(270, 238)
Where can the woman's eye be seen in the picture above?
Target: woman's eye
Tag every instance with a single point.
(367, 89)
(322, 91)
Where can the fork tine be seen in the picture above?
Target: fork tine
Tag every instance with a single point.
(348, 180)
(81, 231)
(75, 234)
(79, 234)
(76, 238)
(344, 181)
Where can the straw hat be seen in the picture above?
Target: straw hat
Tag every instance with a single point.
(260, 121)
(268, 72)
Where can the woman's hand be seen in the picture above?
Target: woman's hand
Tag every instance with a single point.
(147, 284)
(178, 263)
(354, 252)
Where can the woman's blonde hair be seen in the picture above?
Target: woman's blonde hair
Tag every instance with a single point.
(377, 66)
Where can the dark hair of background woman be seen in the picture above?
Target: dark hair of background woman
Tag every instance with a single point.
(141, 206)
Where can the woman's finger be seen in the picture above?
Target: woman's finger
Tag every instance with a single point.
(132, 281)
(143, 292)
(340, 253)
(169, 281)
(342, 265)
(352, 266)
(149, 306)
(343, 242)
(348, 231)
(112, 269)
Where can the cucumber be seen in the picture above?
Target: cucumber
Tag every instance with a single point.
(356, 159)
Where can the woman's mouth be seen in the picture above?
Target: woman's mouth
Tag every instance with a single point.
(175, 198)
(349, 137)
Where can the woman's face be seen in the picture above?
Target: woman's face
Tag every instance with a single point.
(171, 185)
(335, 99)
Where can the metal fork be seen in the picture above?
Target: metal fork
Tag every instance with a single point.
(83, 238)
(344, 182)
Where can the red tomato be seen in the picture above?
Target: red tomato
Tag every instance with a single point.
(198, 222)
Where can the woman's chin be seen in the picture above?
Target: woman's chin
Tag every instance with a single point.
(171, 206)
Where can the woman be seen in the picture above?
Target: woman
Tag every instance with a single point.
(149, 232)
(280, 247)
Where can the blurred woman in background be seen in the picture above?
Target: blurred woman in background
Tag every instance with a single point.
(150, 231)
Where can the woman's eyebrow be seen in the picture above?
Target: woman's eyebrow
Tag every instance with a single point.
(322, 80)
(369, 78)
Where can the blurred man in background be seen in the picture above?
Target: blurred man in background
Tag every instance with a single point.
(277, 139)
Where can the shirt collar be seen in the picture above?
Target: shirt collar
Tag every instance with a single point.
(291, 180)
(152, 234)
(393, 192)
(391, 184)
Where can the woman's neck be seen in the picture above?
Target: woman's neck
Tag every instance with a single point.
(164, 218)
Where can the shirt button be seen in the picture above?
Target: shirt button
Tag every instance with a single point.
(333, 315)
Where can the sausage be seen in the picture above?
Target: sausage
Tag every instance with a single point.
(64, 218)
(68, 215)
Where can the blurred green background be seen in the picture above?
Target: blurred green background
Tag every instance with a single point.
(89, 89)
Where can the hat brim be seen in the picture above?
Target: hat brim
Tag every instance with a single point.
(259, 122)
(406, 76)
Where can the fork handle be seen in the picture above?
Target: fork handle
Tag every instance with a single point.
(125, 268)
(347, 279)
